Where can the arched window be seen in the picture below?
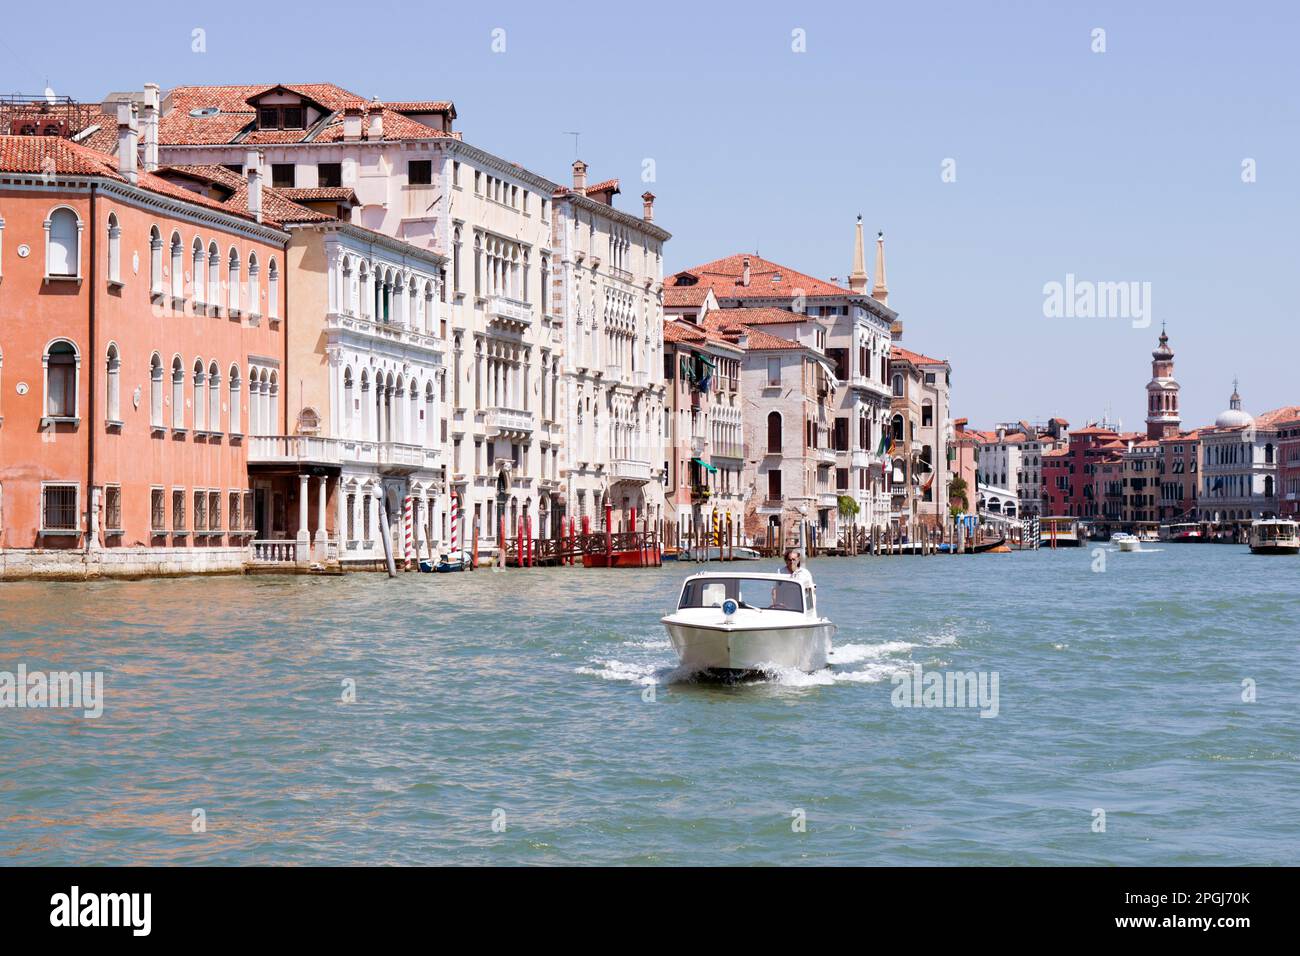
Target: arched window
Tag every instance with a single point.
(896, 427)
(273, 289)
(156, 391)
(214, 276)
(236, 413)
(200, 396)
(63, 243)
(349, 403)
(363, 426)
(214, 397)
(273, 407)
(178, 270)
(111, 379)
(363, 290)
(774, 442)
(254, 285)
(178, 393)
(232, 282)
(431, 436)
(114, 249)
(155, 262)
(898, 384)
(198, 267)
(62, 365)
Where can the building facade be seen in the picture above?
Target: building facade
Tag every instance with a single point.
(704, 424)
(606, 292)
(920, 436)
(415, 179)
(143, 347)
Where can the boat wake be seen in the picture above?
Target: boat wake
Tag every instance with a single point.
(647, 662)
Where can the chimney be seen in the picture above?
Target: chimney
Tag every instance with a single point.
(579, 177)
(376, 131)
(352, 124)
(149, 127)
(253, 170)
(743, 340)
(127, 141)
(648, 206)
(744, 278)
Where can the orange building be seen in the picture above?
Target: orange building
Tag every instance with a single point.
(134, 314)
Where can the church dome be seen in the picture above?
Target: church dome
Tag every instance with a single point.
(1234, 416)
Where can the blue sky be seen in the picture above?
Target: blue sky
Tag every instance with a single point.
(1117, 166)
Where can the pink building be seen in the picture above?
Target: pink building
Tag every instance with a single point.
(143, 343)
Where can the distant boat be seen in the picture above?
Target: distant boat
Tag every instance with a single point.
(1274, 536)
(1125, 542)
(1184, 533)
(456, 561)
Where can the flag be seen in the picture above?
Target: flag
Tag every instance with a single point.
(884, 443)
(928, 482)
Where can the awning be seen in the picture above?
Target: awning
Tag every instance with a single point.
(704, 464)
(706, 361)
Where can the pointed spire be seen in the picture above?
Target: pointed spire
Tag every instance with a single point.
(1235, 401)
(880, 291)
(858, 277)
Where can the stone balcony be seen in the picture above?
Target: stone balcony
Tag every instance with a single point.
(509, 421)
(629, 469)
(337, 323)
(824, 456)
(732, 452)
(293, 450)
(510, 311)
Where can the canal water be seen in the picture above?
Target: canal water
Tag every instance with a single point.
(536, 717)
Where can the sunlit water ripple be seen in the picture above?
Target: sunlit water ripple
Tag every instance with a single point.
(553, 697)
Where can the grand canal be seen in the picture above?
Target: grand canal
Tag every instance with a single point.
(535, 717)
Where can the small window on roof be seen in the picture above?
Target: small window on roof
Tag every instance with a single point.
(293, 117)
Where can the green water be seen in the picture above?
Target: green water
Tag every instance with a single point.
(547, 702)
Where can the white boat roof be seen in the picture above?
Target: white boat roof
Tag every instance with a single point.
(1272, 521)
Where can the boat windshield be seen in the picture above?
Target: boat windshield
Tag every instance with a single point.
(754, 593)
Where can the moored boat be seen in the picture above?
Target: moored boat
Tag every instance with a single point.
(714, 553)
(1274, 536)
(731, 624)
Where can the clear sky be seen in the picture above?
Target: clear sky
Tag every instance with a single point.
(1123, 165)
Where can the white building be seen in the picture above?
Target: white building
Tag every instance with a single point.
(607, 294)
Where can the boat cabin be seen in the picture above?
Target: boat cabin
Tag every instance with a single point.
(770, 592)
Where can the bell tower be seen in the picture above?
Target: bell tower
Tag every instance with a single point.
(1163, 419)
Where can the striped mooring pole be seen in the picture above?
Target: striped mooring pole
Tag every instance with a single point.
(408, 528)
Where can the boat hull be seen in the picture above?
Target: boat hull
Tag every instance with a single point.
(1275, 549)
(735, 650)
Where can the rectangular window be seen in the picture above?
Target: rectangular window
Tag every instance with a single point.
(268, 117)
(200, 511)
(214, 511)
(282, 175)
(329, 174)
(157, 510)
(59, 507)
(352, 517)
(178, 511)
(927, 416)
(842, 479)
(112, 507)
(293, 117)
(774, 484)
(250, 513)
(419, 172)
(773, 371)
(235, 522)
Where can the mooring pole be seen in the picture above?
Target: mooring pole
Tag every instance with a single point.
(388, 537)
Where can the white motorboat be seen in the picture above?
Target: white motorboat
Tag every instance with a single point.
(732, 624)
(1125, 541)
(1274, 536)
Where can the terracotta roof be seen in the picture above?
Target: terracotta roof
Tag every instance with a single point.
(1270, 418)
(602, 187)
(768, 316)
(756, 339)
(916, 358)
(234, 120)
(424, 106)
(685, 295)
(275, 206)
(319, 194)
(767, 280)
(682, 332)
(35, 154)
